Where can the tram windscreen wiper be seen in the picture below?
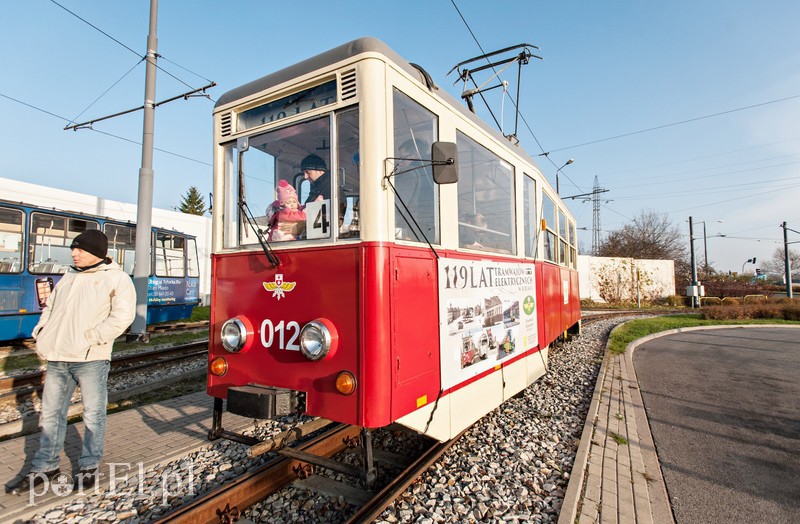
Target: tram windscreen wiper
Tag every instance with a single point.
(262, 239)
(243, 144)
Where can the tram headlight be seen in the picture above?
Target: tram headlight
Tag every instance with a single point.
(318, 339)
(234, 335)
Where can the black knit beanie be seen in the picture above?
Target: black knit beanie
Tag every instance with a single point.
(92, 241)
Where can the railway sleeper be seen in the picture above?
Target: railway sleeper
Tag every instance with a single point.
(333, 488)
(367, 473)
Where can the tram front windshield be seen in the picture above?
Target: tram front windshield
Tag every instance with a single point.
(299, 182)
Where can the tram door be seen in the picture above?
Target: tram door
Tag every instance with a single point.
(415, 330)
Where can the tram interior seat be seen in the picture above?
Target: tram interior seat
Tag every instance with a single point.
(348, 208)
(8, 265)
(479, 236)
(44, 267)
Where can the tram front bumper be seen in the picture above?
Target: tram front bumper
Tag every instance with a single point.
(263, 402)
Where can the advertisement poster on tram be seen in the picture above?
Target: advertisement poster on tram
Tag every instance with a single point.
(487, 311)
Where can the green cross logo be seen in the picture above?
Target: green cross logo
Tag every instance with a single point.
(528, 304)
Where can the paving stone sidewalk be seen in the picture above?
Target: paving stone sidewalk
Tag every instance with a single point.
(136, 438)
(616, 477)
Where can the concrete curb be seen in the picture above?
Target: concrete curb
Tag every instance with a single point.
(660, 508)
(572, 498)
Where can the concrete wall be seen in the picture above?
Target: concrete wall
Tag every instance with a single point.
(197, 226)
(604, 279)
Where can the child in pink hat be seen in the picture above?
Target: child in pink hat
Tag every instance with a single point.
(288, 219)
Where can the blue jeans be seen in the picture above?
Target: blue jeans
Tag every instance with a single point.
(59, 385)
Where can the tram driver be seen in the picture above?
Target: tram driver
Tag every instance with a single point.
(316, 172)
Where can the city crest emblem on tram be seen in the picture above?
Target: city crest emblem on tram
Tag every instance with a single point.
(279, 288)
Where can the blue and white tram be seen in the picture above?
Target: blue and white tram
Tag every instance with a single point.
(35, 253)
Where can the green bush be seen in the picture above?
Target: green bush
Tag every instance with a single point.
(778, 309)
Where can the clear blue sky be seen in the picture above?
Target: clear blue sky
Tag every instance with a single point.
(609, 69)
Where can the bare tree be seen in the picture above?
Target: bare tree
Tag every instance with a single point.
(777, 263)
(651, 236)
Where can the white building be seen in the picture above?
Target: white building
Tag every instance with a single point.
(607, 279)
(200, 227)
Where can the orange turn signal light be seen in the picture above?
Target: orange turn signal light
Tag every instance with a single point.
(345, 383)
(218, 367)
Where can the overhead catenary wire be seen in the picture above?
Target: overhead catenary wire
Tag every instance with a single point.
(141, 57)
(681, 122)
(516, 107)
(96, 28)
(102, 132)
(472, 33)
(106, 91)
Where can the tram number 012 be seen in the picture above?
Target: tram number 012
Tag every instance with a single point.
(284, 333)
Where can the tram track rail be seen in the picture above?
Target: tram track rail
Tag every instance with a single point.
(230, 501)
(10, 346)
(226, 503)
(27, 383)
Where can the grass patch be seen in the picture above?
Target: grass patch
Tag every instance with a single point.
(200, 313)
(15, 362)
(619, 439)
(630, 331)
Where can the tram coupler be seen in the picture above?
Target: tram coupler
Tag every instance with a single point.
(217, 431)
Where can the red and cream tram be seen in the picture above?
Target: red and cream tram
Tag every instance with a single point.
(380, 255)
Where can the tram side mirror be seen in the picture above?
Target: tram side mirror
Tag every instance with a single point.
(445, 162)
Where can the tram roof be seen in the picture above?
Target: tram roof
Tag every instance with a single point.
(345, 51)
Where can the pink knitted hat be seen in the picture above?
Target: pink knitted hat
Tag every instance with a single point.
(285, 191)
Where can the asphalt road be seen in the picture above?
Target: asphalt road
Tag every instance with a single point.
(724, 411)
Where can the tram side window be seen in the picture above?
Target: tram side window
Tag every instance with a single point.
(573, 249)
(348, 173)
(549, 225)
(415, 129)
(485, 199)
(170, 253)
(11, 227)
(49, 240)
(192, 264)
(562, 242)
(531, 227)
(121, 245)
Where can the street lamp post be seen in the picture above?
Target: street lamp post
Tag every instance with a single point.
(559, 170)
(705, 246)
(694, 290)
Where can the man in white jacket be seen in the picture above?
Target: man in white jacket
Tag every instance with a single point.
(90, 306)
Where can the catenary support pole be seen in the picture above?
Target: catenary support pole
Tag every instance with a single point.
(144, 209)
(786, 262)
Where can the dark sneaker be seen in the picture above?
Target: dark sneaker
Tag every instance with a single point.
(31, 480)
(86, 478)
